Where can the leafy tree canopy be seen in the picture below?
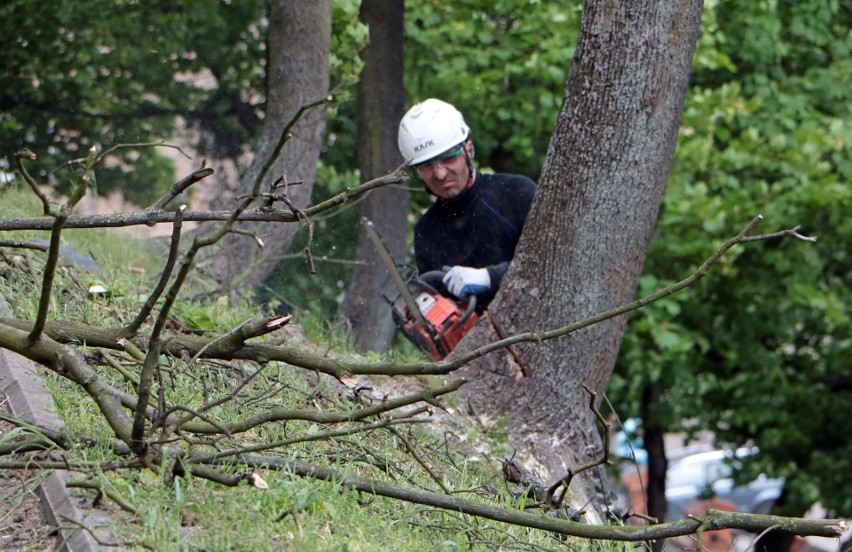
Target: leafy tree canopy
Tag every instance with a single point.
(101, 73)
(758, 353)
(503, 64)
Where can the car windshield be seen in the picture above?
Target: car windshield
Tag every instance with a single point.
(698, 471)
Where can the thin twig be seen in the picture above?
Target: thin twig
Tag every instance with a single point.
(19, 163)
(112, 361)
(151, 217)
(420, 460)
(328, 435)
(166, 273)
(206, 407)
(789, 232)
(760, 536)
(113, 495)
(565, 481)
(23, 245)
(180, 186)
(282, 139)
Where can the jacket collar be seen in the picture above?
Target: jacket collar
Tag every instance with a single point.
(463, 200)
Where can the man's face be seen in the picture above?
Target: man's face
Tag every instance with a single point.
(447, 175)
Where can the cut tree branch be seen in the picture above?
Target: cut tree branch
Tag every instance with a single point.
(151, 217)
(298, 356)
(712, 520)
(281, 414)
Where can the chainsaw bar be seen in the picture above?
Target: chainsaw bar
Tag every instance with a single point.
(385, 255)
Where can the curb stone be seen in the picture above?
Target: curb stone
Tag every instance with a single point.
(30, 401)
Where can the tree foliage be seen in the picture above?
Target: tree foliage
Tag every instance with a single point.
(218, 406)
(514, 56)
(766, 128)
(503, 64)
(74, 76)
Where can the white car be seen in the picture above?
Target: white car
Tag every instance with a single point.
(703, 475)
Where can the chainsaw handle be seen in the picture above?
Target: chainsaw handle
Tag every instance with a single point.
(434, 278)
(471, 307)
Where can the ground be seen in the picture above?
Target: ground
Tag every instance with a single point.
(22, 522)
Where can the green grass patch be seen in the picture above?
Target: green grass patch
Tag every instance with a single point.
(163, 508)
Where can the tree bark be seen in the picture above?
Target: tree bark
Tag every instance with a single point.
(298, 43)
(380, 107)
(658, 464)
(589, 227)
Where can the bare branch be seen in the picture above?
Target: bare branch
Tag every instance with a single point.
(66, 362)
(712, 520)
(237, 337)
(49, 271)
(151, 217)
(19, 163)
(146, 381)
(281, 414)
(179, 187)
(146, 309)
(48, 274)
(794, 232)
(23, 245)
(298, 356)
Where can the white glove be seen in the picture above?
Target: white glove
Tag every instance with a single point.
(463, 280)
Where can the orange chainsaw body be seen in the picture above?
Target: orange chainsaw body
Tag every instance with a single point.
(446, 324)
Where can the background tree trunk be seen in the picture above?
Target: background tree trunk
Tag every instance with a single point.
(380, 107)
(298, 44)
(658, 464)
(585, 240)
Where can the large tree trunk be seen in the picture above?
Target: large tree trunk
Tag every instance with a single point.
(380, 107)
(585, 240)
(298, 44)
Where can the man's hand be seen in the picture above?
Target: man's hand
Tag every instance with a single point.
(463, 280)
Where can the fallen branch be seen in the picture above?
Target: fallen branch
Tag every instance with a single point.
(153, 216)
(176, 345)
(712, 520)
(282, 414)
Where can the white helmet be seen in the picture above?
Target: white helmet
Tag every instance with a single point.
(429, 129)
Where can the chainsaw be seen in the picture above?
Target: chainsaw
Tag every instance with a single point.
(433, 322)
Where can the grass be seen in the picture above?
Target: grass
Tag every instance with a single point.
(293, 513)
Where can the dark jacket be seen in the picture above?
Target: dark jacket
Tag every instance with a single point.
(480, 228)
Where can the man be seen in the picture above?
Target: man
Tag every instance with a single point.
(473, 226)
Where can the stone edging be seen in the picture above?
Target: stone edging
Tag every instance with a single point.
(30, 401)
